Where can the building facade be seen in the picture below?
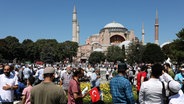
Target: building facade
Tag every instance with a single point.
(113, 33)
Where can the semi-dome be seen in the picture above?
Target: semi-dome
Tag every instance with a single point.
(113, 24)
(164, 44)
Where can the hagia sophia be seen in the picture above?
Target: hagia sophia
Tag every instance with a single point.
(113, 33)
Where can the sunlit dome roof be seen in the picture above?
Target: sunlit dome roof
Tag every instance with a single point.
(164, 44)
(113, 24)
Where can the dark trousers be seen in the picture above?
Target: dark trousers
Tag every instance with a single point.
(137, 101)
(107, 77)
(131, 79)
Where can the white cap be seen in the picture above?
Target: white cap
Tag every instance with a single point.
(174, 86)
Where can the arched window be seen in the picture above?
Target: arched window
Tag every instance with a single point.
(116, 39)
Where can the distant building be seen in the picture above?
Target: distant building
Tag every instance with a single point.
(112, 33)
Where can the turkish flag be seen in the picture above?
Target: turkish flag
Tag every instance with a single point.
(95, 95)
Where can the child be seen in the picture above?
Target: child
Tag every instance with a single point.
(27, 91)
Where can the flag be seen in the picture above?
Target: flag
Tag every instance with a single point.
(94, 94)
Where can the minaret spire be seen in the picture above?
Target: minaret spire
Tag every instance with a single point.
(156, 28)
(142, 33)
(78, 31)
(74, 25)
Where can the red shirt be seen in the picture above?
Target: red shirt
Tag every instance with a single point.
(139, 75)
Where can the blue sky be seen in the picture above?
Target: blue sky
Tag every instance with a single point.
(52, 19)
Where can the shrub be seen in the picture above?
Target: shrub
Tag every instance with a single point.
(107, 98)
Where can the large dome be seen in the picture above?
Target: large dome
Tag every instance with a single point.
(113, 24)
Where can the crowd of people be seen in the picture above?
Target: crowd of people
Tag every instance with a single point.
(157, 83)
(60, 84)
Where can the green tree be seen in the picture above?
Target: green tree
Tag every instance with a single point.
(3, 49)
(46, 50)
(134, 53)
(47, 54)
(115, 53)
(60, 52)
(29, 52)
(153, 54)
(178, 47)
(14, 48)
(180, 34)
(167, 51)
(68, 50)
(175, 50)
(96, 57)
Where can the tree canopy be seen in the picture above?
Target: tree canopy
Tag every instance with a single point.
(153, 54)
(134, 53)
(115, 53)
(46, 50)
(96, 57)
(175, 50)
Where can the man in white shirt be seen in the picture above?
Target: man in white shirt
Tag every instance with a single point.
(27, 72)
(8, 83)
(39, 75)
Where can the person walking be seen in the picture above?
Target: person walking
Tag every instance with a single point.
(120, 87)
(8, 83)
(47, 92)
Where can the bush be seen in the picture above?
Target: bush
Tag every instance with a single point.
(107, 98)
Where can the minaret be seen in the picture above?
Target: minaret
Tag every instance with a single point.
(143, 34)
(74, 25)
(156, 28)
(78, 31)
